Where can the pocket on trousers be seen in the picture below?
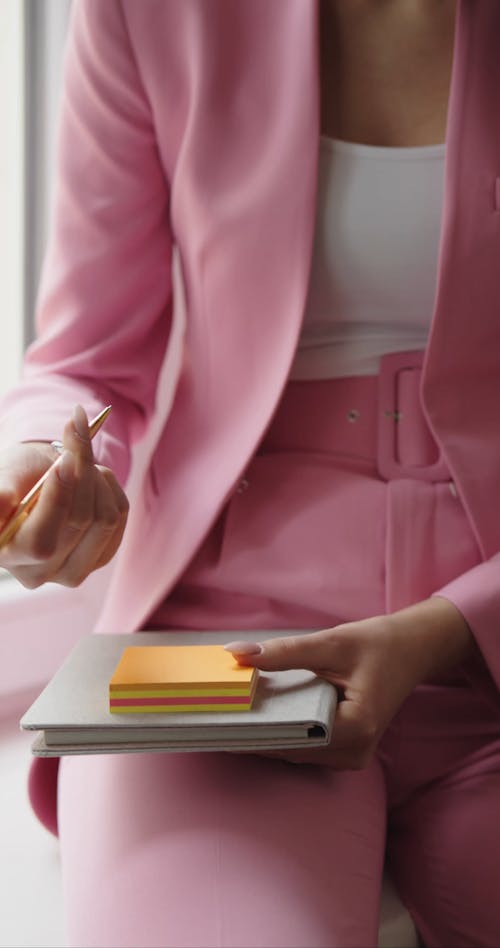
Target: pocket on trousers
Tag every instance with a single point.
(302, 530)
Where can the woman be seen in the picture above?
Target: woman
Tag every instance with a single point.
(318, 450)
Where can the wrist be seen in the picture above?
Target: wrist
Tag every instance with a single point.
(436, 635)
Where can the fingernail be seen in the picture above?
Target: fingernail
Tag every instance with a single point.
(66, 469)
(244, 648)
(80, 422)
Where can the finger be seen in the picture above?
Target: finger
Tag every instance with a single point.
(37, 539)
(313, 651)
(113, 544)
(105, 529)
(355, 736)
(111, 548)
(76, 437)
(351, 748)
(119, 494)
(351, 725)
(60, 518)
(9, 495)
(354, 739)
(21, 468)
(123, 509)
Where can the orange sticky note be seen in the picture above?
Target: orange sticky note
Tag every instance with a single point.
(180, 678)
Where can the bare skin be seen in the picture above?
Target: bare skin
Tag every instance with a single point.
(375, 664)
(386, 69)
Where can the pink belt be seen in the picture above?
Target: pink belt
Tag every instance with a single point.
(379, 418)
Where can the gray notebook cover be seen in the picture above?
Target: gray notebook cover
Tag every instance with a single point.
(290, 709)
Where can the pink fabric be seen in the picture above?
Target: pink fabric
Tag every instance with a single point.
(217, 850)
(214, 106)
(206, 850)
(276, 854)
(385, 537)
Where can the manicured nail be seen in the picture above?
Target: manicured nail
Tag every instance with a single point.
(80, 422)
(244, 648)
(66, 469)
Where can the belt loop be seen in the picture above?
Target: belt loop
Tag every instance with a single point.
(406, 447)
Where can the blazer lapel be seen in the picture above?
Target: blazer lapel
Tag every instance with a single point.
(461, 385)
(243, 210)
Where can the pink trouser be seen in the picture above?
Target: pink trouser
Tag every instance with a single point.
(232, 850)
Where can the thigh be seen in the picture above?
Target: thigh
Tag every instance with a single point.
(219, 850)
(445, 856)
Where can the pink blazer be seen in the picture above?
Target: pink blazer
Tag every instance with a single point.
(189, 134)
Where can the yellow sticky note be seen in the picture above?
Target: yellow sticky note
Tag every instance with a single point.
(180, 678)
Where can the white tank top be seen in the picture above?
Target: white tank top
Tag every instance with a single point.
(373, 276)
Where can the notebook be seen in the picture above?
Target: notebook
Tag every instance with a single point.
(289, 709)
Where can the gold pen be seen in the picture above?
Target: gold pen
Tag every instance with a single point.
(29, 500)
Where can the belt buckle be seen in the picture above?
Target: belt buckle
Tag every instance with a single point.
(406, 447)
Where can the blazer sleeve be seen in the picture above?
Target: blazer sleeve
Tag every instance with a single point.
(104, 311)
(477, 596)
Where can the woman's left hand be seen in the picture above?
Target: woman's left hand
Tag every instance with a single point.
(375, 664)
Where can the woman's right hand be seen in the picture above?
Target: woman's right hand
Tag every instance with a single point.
(78, 521)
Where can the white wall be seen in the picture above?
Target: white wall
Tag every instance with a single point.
(11, 190)
(45, 28)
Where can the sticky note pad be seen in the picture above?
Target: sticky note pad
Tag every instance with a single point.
(171, 678)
